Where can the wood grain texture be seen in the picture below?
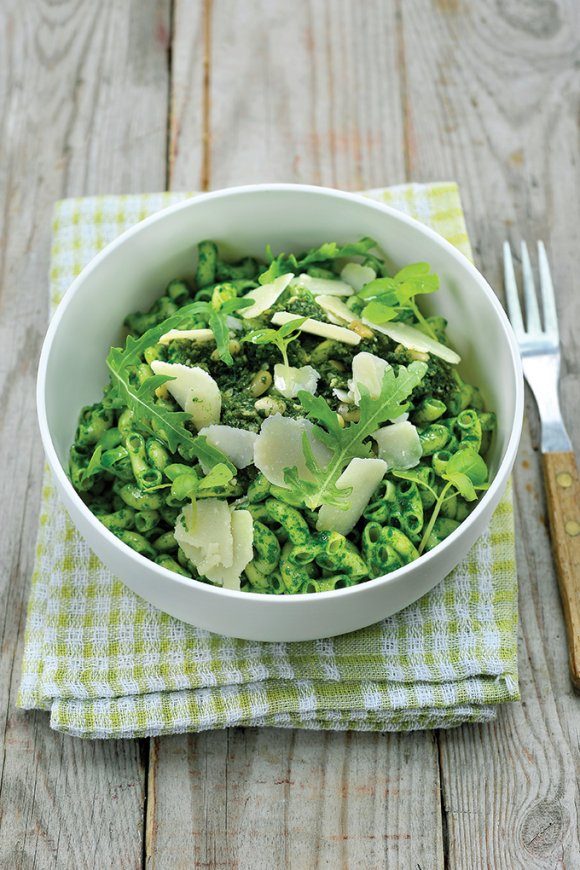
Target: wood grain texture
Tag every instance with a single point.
(334, 92)
(188, 128)
(309, 96)
(83, 105)
(492, 101)
(257, 799)
(267, 799)
(563, 500)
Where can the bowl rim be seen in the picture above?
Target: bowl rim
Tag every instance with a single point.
(165, 574)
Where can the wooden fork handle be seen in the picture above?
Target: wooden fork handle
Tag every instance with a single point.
(563, 493)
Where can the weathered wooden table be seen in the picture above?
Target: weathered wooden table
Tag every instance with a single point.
(138, 95)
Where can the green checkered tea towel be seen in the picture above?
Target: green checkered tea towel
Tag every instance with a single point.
(107, 664)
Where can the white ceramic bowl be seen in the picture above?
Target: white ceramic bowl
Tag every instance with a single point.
(132, 271)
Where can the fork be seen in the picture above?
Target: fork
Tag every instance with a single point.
(540, 351)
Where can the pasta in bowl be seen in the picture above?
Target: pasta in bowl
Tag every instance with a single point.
(285, 427)
(288, 445)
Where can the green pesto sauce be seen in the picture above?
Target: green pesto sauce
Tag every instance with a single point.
(333, 365)
(107, 469)
(305, 306)
(299, 300)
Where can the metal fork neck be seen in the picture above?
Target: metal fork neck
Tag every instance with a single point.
(542, 375)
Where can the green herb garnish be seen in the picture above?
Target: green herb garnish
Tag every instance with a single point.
(280, 337)
(284, 263)
(466, 473)
(168, 424)
(209, 455)
(189, 485)
(388, 297)
(350, 442)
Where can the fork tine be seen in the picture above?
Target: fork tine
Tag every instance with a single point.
(548, 299)
(511, 290)
(532, 310)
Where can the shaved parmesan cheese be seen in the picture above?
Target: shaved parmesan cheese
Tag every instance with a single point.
(322, 285)
(279, 446)
(343, 395)
(242, 527)
(332, 319)
(399, 445)
(357, 276)
(317, 327)
(414, 339)
(363, 475)
(236, 444)
(234, 323)
(368, 371)
(204, 533)
(266, 295)
(187, 335)
(289, 380)
(336, 307)
(216, 539)
(194, 390)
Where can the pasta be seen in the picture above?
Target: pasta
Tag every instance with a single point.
(297, 426)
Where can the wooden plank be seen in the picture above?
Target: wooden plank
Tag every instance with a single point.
(83, 98)
(310, 97)
(269, 798)
(492, 103)
(298, 101)
(188, 133)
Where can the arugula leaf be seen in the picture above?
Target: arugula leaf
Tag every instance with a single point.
(280, 337)
(321, 490)
(209, 455)
(217, 322)
(280, 265)
(214, 313)
(333, 251)
(348, 443)
(94, 466)
(221, 333)
(326, 251)
(140, 400)
(284, 263)
(104, 460)
(168, 424)
(135, 347)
